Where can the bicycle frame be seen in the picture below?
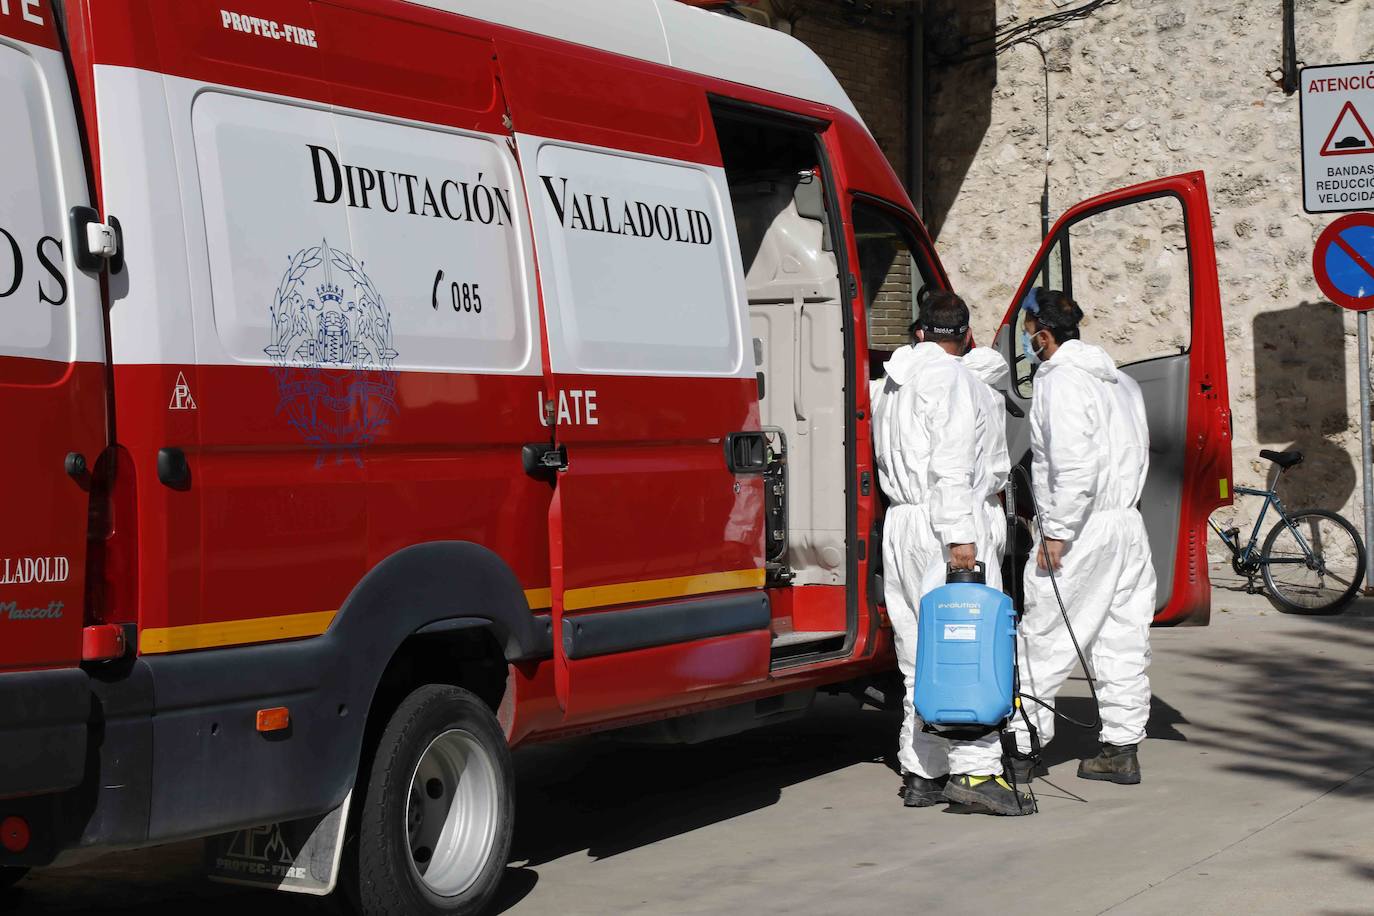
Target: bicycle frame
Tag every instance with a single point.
(1247, 557)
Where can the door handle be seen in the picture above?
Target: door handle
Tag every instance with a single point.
(85, 225)
(798, 408)
(173, 469)
(1012, 407)
(746, 452)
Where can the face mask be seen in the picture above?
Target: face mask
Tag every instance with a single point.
(1028, 348)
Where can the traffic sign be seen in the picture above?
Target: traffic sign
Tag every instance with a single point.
(1336, 108)
(1343, 261)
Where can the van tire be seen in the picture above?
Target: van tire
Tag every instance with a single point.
(10, 875)
(451, 735)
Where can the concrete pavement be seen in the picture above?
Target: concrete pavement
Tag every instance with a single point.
(1258, 798)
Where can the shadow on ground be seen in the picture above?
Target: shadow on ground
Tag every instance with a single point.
(1226, 581)
(607, 797)
(1286, 711)
(1075, 741)
(597, 795)
(1292, 711)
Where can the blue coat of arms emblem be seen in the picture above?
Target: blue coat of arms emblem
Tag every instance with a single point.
(332, 351)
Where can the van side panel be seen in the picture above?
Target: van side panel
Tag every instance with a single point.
(361, 365)
(644, 306)
(327, 355)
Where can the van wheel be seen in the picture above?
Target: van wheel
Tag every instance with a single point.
(435, 825)
(10, 875)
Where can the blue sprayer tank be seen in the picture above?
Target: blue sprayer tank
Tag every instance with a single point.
(965, 653)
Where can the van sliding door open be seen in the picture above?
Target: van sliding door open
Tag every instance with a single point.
(1140, 263)
(799, 336)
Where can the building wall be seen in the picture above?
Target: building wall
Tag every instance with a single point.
(869, 54)
(1142, 89)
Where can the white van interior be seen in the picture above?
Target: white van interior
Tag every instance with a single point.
(797, 324)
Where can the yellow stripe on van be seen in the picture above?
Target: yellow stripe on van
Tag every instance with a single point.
(652, 589)
(1225, 486)
(156, 640)
(539, 599)
(234, 632)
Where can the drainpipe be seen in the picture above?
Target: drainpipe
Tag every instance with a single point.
(916, 107)
(1290, 51)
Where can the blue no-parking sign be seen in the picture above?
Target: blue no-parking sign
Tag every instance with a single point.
(1343, 261)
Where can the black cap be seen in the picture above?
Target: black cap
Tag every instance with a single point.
(978, 574)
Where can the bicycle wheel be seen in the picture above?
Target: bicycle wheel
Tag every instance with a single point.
(1313, 562)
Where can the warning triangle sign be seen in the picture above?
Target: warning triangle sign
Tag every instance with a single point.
(1349, 136)
(181, 395)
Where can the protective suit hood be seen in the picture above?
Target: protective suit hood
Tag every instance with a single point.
(987, 365)
(1090, 358)
(906, 362)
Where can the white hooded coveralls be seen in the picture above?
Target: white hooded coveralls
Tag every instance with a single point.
(994, 463)
(1090, 455)
(926, 428)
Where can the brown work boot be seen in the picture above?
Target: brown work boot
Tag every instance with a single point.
(1115, 763)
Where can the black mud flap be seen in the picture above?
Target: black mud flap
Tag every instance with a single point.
(297, 856)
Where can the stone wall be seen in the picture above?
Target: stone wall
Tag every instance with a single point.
(1142, 89)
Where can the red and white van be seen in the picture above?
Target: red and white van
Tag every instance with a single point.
(388, 384)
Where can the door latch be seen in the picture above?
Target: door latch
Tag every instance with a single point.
(540, 458)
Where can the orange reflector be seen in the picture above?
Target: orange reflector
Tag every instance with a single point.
(14, 833)
(274, 719)
(102, 642)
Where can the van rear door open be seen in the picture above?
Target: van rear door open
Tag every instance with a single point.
(1141, 264)
(52, 399)
(52, 352)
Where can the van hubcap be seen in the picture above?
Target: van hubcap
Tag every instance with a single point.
(451, 813)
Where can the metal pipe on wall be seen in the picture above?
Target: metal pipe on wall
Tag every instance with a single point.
(916, 107)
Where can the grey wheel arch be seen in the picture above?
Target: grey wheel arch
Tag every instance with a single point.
(203, 703)
(437, 586)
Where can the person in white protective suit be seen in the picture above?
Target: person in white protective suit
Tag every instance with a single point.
(994, 464)
(926, 429)
(1090, 455)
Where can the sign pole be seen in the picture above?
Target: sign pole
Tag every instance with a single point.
(1343, 266)
(1366, 461)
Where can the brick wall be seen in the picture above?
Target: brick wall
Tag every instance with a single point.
(871, 64)
(892, 311)
(870, 59)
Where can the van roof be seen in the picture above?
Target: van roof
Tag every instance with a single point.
(674, 34)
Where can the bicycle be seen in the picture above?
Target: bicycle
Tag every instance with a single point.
(1312, 561)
